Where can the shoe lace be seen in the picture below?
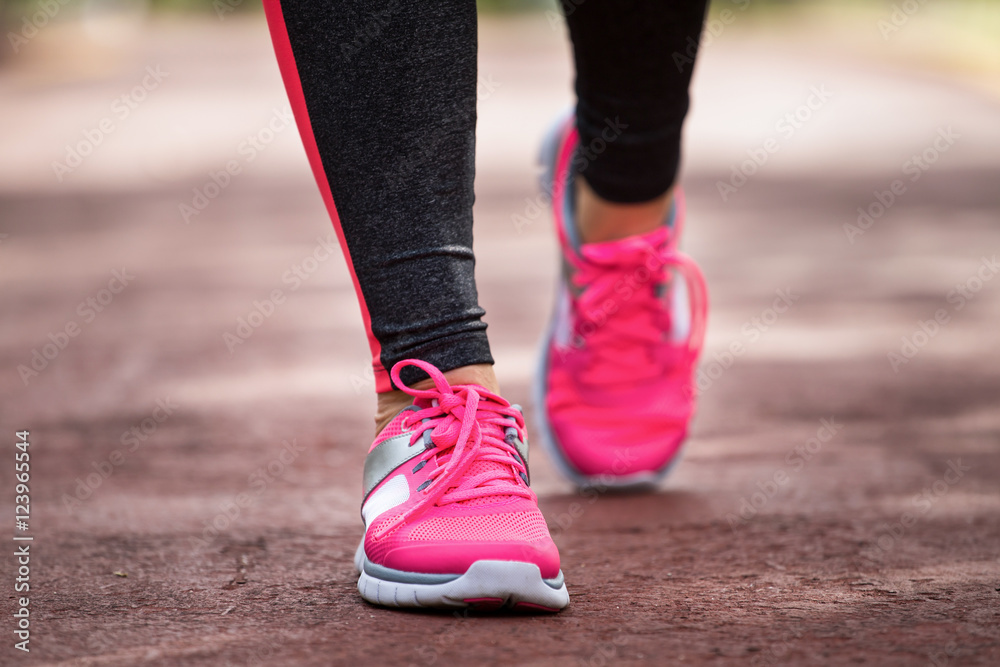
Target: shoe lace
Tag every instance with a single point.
(464, 425)
(620, 313)
(599, 307)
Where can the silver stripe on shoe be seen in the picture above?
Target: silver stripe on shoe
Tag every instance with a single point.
(387, 456)
(394, 452)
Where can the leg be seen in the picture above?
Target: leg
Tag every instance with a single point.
(634, 60)
(385, 98)
(615, 387)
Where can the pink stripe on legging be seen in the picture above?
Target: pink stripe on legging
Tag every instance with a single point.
(293, 86)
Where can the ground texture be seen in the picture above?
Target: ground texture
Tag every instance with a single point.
(834, 504)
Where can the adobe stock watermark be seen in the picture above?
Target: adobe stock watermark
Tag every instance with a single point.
(486, 86)
(598, 312)
(911, 345)
(429, 147)
(364, 381)
(121, 108)
(59, 340)
(983, 622)
(596, 487)
(786, 127)
(556, 19)
(943, 658)
(246, 152)
(35, 22)
(536, 206)
(712, 30)
(295, 276)
(795, 460)
(892, 533)
(368, 31)
(258, 481)
(752, 330)
(898, 18)
(266, 655)
(777, 651)
(225, 7)
(915, 167)
(131, 440)
(607, 652)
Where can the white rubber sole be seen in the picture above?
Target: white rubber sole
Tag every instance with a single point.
(488, 585)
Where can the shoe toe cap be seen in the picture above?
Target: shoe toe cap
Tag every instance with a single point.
(449, 544)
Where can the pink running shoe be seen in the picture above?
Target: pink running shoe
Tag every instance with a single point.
(449, 519)
(615, 385)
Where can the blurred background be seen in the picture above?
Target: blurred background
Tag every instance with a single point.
(176, 336)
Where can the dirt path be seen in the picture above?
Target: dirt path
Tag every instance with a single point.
(830, 508)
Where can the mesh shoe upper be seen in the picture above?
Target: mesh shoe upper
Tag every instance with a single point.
(626, 336)
(461, 494)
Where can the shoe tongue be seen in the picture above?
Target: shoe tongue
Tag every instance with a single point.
(638, 246)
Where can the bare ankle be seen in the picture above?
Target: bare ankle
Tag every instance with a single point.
(390, 403)
(600, 220)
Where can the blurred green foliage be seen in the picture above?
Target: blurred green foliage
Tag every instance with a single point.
(189, 5)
